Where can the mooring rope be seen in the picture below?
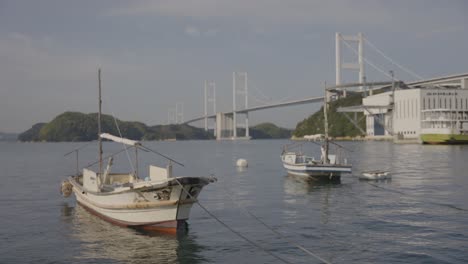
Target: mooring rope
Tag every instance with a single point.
(275, 231)
(231, 229)
(406, 195)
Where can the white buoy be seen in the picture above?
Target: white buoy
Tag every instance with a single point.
(242, 163)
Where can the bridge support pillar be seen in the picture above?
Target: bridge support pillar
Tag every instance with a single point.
(247, 125)
(224, 126)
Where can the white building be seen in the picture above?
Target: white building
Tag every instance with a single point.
(408, 113)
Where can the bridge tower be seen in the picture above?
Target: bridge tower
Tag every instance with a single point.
(179, 113)
(210, 98)
(239, 87)
(359, 65)
(171, 116)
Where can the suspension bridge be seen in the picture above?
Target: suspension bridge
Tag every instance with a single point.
(226, 124)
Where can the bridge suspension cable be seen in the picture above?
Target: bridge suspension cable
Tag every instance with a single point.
(262, 94)
(392, 61)
(368, 61)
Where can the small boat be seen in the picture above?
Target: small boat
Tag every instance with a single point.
(328, 168)
(375, 175)
(160, 201)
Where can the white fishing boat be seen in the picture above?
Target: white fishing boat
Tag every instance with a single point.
(299, 164)
(159, 201)
(375, 175)
(328, 168)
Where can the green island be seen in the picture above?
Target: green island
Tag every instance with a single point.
(75, 126)
(338, 125)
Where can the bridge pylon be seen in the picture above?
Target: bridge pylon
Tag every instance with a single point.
(359, 65)
(210, 98)
(179, 113)
(239, 87)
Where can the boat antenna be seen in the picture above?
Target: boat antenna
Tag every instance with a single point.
(325, 106)
(99, 123)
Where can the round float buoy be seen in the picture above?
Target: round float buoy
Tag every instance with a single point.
(242, 163)
(66, 188)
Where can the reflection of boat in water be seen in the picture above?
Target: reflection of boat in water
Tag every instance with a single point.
(375, 175)
(159, 201)
(101, 240)
(328, 168)
(304, 185)
(302, 190)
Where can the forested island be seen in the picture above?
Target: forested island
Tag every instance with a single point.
(338, 124)
(75, 126)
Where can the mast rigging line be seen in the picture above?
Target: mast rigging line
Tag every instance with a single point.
(162, 155)
(120, 134)
(116, 124)
(108, 156)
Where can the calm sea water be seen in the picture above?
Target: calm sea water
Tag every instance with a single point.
(419, 216)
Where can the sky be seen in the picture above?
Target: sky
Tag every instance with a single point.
(154, 54)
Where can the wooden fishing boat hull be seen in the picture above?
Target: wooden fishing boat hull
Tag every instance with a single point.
(162, 207)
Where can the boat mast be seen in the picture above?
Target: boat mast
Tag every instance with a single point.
(99, 124)
(325, 106)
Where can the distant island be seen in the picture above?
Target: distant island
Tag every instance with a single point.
(8, 136)
(75, 126)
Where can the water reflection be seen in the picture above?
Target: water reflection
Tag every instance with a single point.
(102, 240)
(66, 211)
(305, 191)
(299, 185)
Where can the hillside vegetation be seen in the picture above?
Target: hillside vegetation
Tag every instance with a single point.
(338, 124)
(269, 130)
(75, 126)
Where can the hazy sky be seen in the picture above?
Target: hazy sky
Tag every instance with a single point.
(156, 53)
